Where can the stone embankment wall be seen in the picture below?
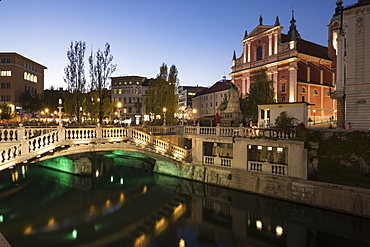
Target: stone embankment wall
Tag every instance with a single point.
(334, 197)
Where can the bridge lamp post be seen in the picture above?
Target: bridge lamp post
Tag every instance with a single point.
(164, 115)
(60, 112)
(80, 114)
(119, 106)
(183, 115)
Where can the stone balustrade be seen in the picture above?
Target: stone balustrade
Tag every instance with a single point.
(268, 168)
(21, 144)
(239, 132)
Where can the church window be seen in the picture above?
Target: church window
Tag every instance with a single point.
(303, 90)
(315, 92)
(283, 99)
(283, 87)
(259, 52)
(327, 93)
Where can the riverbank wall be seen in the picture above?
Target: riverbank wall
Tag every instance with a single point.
(345, 199)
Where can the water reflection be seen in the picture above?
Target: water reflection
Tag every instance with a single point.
(123, 205)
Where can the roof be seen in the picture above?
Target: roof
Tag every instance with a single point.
(218, 86)
(309, 48)
(19, 55)
(358, 4)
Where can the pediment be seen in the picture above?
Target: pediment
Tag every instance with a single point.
(259, 29)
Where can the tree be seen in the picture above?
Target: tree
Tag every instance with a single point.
(260, 92)
(162, 93)
(101, 68)
(29, 102)
(284, 121)
(75, 79)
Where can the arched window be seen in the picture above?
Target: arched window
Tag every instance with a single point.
(259, 52)
(303, 90)
(283, 99)
(327, 93)
(314, 92)
(25, 75)
(35, 78)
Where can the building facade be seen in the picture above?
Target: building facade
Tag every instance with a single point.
(19, 74)
(130, 91)
(350, 31)
(207, 101)
(186, 93)
(301, 71)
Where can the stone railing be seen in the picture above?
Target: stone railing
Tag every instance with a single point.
(269, 168)
(21, 144)
(217, 161)
(239, 132)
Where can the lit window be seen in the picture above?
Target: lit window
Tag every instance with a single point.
(279, 150)
(259, 147)
(269, 148)
(6, 73)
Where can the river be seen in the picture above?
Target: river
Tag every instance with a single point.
(125, 205)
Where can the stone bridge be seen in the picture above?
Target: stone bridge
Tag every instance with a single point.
(209, 145)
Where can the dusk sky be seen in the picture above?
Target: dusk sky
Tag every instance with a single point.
(198, 36)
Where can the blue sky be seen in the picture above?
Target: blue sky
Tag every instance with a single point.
(198, 36)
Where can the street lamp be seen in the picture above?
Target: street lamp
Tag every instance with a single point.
(194, 114)
(119, 106)
(164, 115)
(182, 123)
(314, 117)
(80, 114)
(335, 116)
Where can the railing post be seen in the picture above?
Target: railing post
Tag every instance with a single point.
(21, 133)
(61, 133)
(218, 130)
(241, 130)
(129, 132)
(198, 129)
(99, 132)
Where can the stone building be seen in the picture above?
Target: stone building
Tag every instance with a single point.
(207, 101)
(130, 92)
(350, 32)
(301, 71)
(19, 74)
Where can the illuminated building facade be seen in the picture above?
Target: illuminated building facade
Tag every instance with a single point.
(19, 74)
(301, 71)
(350, 35)
(130, 91)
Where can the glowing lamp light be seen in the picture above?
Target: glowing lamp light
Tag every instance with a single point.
(1, 218)
(74, 233)
(182, 243)
(279, 231)
(259, 225)
(121, 181)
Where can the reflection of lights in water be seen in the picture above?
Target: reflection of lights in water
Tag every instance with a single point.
(28, 230)
(15, 176)
(178, 211)
(121, 197)
(145, 189)
(141, 241)
(74, 233)
(97, 173)
(160, 226)
(182, 243)
(24, 171)
(279, 231)
(259, 225)
(92, 210)
(107, 203)
(51, 222)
